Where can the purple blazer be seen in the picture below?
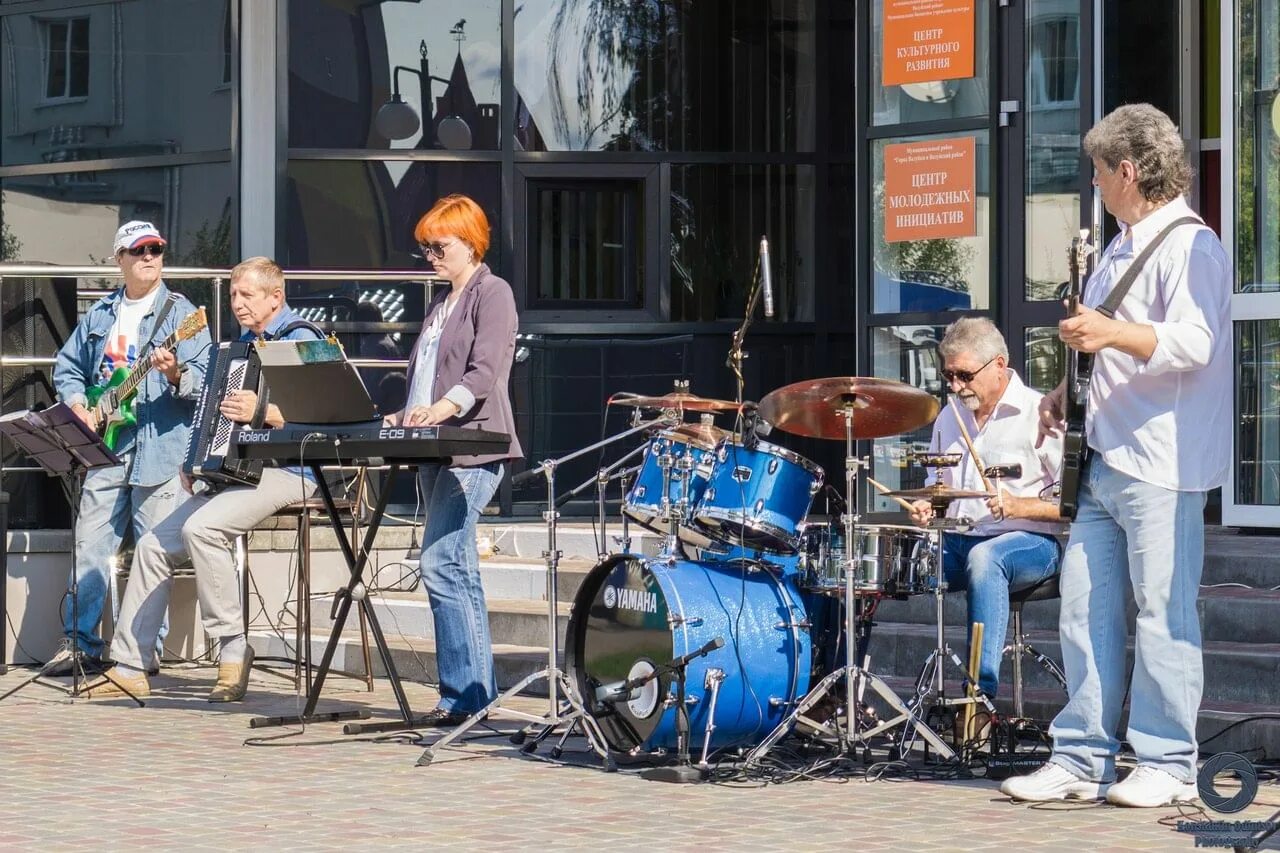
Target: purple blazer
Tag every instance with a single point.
(477, 346)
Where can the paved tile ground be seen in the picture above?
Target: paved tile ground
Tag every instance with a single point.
(178, 774)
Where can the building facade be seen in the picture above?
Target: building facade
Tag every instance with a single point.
(630, 155)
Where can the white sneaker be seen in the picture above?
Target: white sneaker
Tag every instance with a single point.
(1148, 787)
(1052, 782)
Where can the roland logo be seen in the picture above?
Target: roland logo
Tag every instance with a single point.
(631, 599)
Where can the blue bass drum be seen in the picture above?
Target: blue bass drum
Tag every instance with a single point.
(757, 498)
(632, 615)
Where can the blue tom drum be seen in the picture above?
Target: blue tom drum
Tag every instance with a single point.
(757, 498)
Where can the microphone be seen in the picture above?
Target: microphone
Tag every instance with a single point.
(624, 689)
(766, 278)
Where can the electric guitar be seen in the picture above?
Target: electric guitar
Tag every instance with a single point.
(112, 403)
(1075, 448)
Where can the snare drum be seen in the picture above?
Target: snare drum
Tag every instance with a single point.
(757, 498)
(893, 560)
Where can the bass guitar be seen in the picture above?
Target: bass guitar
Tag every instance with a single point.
(112, 403)
(1075, 448)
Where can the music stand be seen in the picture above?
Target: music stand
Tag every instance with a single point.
(294, 370)
(63, 446)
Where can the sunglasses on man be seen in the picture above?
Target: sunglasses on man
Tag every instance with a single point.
(155, 249)
(965, 375)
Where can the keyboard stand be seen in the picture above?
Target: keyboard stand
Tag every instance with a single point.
(354, 591)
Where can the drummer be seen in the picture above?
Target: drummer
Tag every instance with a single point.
(1011, 544)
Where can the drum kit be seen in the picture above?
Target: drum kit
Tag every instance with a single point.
(723, 639)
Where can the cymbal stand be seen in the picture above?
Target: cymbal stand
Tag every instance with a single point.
(557, 679)
(930, 690)
(602, 479)
(856, 677)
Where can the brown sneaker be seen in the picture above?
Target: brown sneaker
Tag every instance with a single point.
(114, 684)
(233, 679)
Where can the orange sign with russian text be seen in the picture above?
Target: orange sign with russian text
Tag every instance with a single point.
(927, 40)
(929, 189)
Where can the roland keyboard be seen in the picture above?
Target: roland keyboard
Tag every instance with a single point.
(365, 444)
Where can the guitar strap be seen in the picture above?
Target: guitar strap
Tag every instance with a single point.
(1118, 293)
(169, 302)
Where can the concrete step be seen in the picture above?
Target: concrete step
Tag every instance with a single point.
(512, 621)
(1233, 614)
(575, 539)
(1233, 557)
(1234, 672)
(414, 658)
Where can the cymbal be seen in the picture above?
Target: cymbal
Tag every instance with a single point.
(702, 435)
(675, 400)
(937, 492)
(815, 407)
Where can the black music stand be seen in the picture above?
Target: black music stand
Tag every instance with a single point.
(60, 443)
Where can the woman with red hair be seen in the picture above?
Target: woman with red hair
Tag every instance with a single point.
(458, 375)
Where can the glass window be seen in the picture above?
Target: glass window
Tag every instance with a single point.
(1258, 149)
(1053, 144)
(585, 243)
(114, 80)
(933, 100)
(936, 274)
(1046, 356)
(665, 75)
(718, 214)
(1257, 439)
(907, 354)
(361, 73)
(361, 213)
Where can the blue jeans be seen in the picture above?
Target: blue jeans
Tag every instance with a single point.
(989, 567)
(108, 506)
(450, 570)
(1131, 533)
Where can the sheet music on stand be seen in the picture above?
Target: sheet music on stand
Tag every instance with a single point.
(57, 440)
(312, 382)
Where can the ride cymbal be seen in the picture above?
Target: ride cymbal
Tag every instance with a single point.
(675, 400)
(815, 408)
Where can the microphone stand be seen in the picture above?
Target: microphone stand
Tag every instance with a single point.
(736, 353)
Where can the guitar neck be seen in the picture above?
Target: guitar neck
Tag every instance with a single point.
(142, 368)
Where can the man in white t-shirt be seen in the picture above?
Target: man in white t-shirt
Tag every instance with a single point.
(1011, 544)
(144, 489)
(1159, 411)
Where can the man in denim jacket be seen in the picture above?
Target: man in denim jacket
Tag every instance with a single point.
(144, 489)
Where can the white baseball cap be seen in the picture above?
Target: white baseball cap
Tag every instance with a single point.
(136, 233)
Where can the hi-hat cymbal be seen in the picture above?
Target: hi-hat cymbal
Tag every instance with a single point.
(675, 400)
(815, 408)
(937, 492)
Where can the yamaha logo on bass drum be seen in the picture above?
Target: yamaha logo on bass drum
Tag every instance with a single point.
(624, 598)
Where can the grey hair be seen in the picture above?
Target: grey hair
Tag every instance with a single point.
(976, 335)
(1148, 139)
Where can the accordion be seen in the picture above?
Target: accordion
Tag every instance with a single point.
(235, 367)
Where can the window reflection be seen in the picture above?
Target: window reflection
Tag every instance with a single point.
(718, 214)
(1046, 358)
(943, 274)
(907, 354)
(342, 71)
(667, 75)
(1053, 144)
(1257, 437)
(113, 80)
(941, 99)
(1258, 148)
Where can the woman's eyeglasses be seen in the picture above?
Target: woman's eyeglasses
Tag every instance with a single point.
(436, 249)
(965, 375)
(155, 249)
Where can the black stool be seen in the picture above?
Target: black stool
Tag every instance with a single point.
(1045, 589)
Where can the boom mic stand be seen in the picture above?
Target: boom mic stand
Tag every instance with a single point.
(557, 679)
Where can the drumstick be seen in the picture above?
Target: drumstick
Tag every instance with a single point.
(883, 488)
(975, 659)
(964, 433)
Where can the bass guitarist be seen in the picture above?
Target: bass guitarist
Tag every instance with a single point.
(118, 330)
(1159, 408)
